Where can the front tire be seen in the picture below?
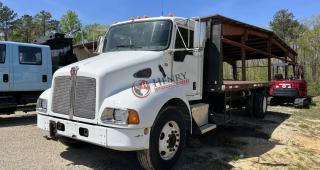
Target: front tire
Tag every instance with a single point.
(167, 140)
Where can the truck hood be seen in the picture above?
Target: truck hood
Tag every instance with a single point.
(109, 62)
(114, 71)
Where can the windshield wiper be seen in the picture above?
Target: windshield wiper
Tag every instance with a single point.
(127, 46)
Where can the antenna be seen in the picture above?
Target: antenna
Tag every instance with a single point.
(161, 7)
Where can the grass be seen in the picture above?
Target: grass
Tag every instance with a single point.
(304, 126)
(312, 113)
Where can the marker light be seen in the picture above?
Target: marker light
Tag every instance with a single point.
(133, 117)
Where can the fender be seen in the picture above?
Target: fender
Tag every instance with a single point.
(147, 107)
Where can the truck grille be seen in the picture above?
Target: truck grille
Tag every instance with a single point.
(82, 102)
(85, 98)
(61, 95)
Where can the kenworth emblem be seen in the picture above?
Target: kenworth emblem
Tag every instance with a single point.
(74, 70)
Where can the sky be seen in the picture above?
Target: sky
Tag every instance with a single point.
(255, 12)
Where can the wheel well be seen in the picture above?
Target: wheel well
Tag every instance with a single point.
(181, 105)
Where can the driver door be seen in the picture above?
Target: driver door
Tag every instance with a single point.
(187, 62)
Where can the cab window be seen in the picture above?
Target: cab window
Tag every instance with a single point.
(185, 34)
(2, 53)
(30, 55)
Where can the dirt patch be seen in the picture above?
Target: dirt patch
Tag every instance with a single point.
(287, 138)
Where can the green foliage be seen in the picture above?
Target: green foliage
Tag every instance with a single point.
(286, 26)
(92, 32)
(69, 24)
(43, 19)
(24, 29)
(309, 53)
(7, 20)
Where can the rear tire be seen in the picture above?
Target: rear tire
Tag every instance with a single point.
(167, 140)
(260, 104)
(249, 105)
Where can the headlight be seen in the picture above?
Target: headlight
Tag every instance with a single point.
(41, 105)
(120, 116)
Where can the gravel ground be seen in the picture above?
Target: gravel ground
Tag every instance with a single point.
(287, 138)
(23, 146)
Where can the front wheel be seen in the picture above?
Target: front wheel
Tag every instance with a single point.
(167, 139)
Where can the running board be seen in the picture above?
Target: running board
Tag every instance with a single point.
(206, 128)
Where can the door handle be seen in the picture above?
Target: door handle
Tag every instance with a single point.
(5, 78)
(44, 78)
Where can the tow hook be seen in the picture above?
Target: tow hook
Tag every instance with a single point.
(52, 131)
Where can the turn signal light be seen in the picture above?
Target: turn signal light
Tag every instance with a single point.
(133, 117)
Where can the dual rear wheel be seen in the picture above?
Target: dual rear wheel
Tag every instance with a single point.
(257, 104)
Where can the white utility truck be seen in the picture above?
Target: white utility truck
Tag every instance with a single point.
(26, 69)
(156, 81)
(25, 72)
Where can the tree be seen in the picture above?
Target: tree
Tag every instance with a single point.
(43, 19)
(24, 29)
(7, 19)
(286, 26)
(71, 24)
(309, 47)
(54, 25)
(92, 32)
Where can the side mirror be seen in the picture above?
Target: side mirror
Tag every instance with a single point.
(100, 43)
(199, 34)
(179, 56)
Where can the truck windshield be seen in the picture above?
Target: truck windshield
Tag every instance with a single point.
(146, 36)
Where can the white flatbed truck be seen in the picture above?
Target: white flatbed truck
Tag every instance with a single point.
(156, 81)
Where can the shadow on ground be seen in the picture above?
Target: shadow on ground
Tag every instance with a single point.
(13, 120)
(243, 138)
(96, 157)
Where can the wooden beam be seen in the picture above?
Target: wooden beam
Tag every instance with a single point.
(258, 34)
(234, 43)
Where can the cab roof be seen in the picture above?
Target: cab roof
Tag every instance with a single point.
(24, 44)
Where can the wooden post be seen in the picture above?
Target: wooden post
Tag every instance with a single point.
(243, 56)
(269, 57)
(234, 70)
(286, 67)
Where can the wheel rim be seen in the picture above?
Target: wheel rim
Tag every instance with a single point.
(169, 140)
(264, 104)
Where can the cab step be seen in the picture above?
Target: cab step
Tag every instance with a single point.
(206, 128)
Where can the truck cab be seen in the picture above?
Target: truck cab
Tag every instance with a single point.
(25, 72)
(155, 82)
